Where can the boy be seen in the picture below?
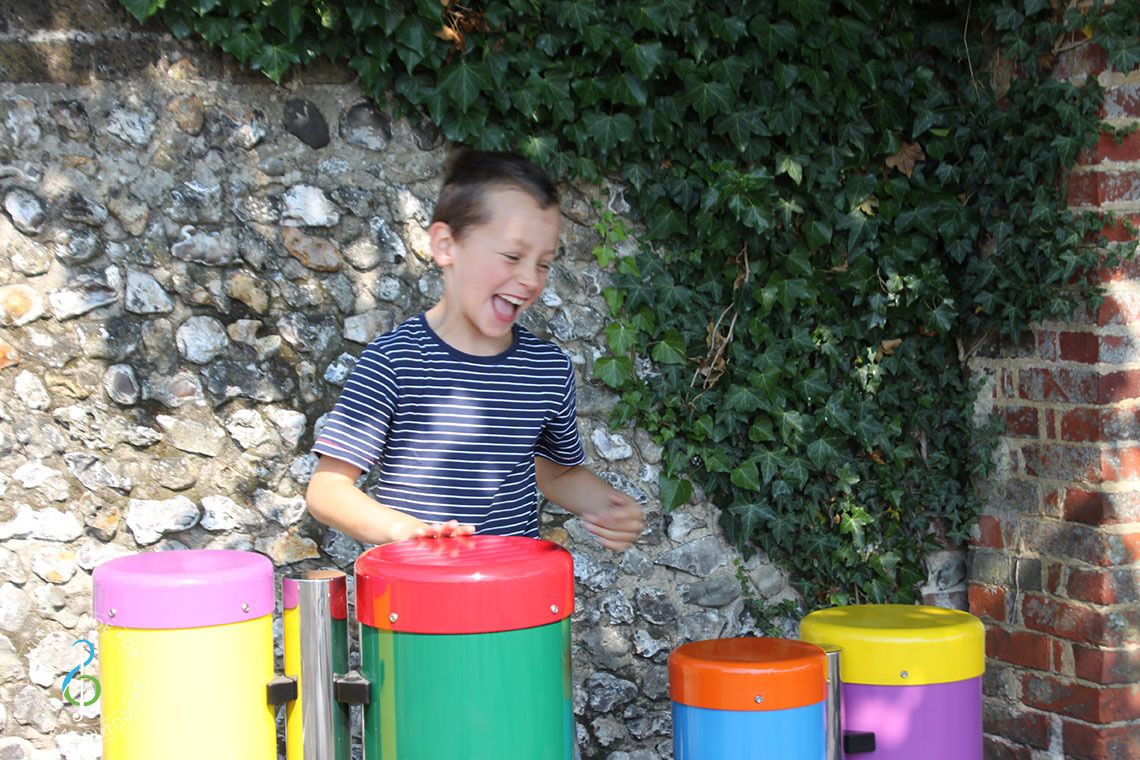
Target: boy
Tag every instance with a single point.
(463, 410)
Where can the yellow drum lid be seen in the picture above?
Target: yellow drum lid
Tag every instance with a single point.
(900, 644)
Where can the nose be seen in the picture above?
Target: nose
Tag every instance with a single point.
(530, 276)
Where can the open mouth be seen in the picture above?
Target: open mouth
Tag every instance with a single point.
(506, 307)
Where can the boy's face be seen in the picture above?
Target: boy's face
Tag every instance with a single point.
(494, 272)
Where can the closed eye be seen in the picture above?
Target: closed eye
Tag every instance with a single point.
(510, 256)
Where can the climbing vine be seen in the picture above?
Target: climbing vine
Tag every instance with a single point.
(835, 201)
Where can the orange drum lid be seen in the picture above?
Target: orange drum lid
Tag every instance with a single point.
(748, 674)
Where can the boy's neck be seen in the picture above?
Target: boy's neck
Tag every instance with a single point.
(450, 327)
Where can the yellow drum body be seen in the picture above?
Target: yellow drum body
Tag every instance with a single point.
(188, 694)
(186, 653)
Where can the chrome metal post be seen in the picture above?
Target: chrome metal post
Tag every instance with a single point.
(833, 704)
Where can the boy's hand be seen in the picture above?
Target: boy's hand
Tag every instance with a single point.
(619, 524)
(444, 530)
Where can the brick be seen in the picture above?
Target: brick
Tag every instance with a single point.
(1048, 345)
(1012, 496)
(995, 749)
(1020, 421)
(1120, 463)
(1008, 383)
(1124, 229)
(1081, 425)
(1117, 626)
(1076, 541)
(1102, 586)
(1084, 742)
(1122, 102)
(121, 59)
(1119, 386)
(1095, 508)
(1118, 349)
(1079, 347)
(1120, 307)
(1059, 384)
(1053, 579)
(1025, 649)
(1079, 60)
(991, 567)
(1108, 149)
(1108, 666)
(987, 602)
(45, 62)
(1059, 649)
(988, 533)
(1026, 727)
(1120, 424)
(1056, 462)
(1077, 700)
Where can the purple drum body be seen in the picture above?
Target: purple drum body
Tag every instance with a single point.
(938, 721)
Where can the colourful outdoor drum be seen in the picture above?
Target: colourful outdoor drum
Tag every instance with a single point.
(912, 677)
(466, 642)
(186, 651)
(748, 699)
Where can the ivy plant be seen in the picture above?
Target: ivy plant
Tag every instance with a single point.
(836, 201)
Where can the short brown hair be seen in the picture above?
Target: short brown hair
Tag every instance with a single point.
(472, 173)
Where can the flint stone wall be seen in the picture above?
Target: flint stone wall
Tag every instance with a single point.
(192, 259)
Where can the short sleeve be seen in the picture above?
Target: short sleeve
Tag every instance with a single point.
(357, 427)
(559, 441)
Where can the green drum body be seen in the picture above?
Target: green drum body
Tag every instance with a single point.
(466, 642)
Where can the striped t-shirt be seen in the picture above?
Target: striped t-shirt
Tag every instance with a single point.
(455, 435)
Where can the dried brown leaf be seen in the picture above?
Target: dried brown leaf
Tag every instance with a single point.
(909, 155)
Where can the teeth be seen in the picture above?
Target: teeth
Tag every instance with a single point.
(511, 300)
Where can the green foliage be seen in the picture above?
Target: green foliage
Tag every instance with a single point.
(833, 196)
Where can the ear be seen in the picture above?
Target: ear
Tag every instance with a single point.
(442, 243)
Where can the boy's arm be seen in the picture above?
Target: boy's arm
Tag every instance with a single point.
(334, 500)
(614, 517)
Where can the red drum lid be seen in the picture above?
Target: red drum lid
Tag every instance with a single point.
(466, 584)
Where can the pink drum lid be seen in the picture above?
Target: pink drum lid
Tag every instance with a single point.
(191, 588)
(466, 584)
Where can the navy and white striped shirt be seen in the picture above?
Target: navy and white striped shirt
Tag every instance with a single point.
(455, 435)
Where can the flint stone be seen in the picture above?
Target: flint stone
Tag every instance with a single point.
(681, 524)
(249, 129)
(44, 524)
(35, 476)
(227, 380)
(314, 253)
(366, 127)
(173, 392)
(193, 437)
(10, 667)
(15, 604)
(33, 707)
(654, 606)
(81, 210)
(635, 563)
(392, 248)
(359, 201)
(25, 210)
(716, 591)
(657, 723)
(607, 730)
(22, 122)
(617, 607)
(290, 425)
(51, 657)
(284, 510)
(705, 624)
(122, 385)
(307, 206)
(288, 547)
(305, 121)
(30, 389)
(71, 118)
(201, 339)
(83, 294)
(647, 646)
(132, 127)
(699, 557)
(576, 322)
(223, 513)
(104, 522)
(13, 748)
(364, 254)
(194, 202)
(79, 746)
(613, 447)
(248, 428)
(606, 691)
(133, 216)
(78, 246)
(208, 248)
(91, 553)
(338, 372)
(592, 573)
(94, 474)
(242, 286)
(150, 519)
(308, 336)
(144, 295)
(340, 548)
(189, 113)
(362, 328)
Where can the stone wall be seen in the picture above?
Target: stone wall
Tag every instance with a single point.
(1055, 569)
(192, 258)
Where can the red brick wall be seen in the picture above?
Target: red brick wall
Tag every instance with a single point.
(1055, 561)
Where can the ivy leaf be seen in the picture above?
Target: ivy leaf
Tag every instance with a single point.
(716, 460)
(818, 233)
(852, 521)
(752, 515)
(675, 492)
(670, 350)
(621, 337)
(741, 398)
(462, 82)
(362, 17)
(287, 18)
(643, 58)
(746, 476)
(613, 370)
(143, 9)
(943, 315)
(772, 462)
(1006, 17)
(606, 130)
(791, 167)
(822, 454)
(708, 98)
(274, 60)
(773, 38)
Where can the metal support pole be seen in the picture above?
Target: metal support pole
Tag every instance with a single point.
(316, 651)
(833, 704)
